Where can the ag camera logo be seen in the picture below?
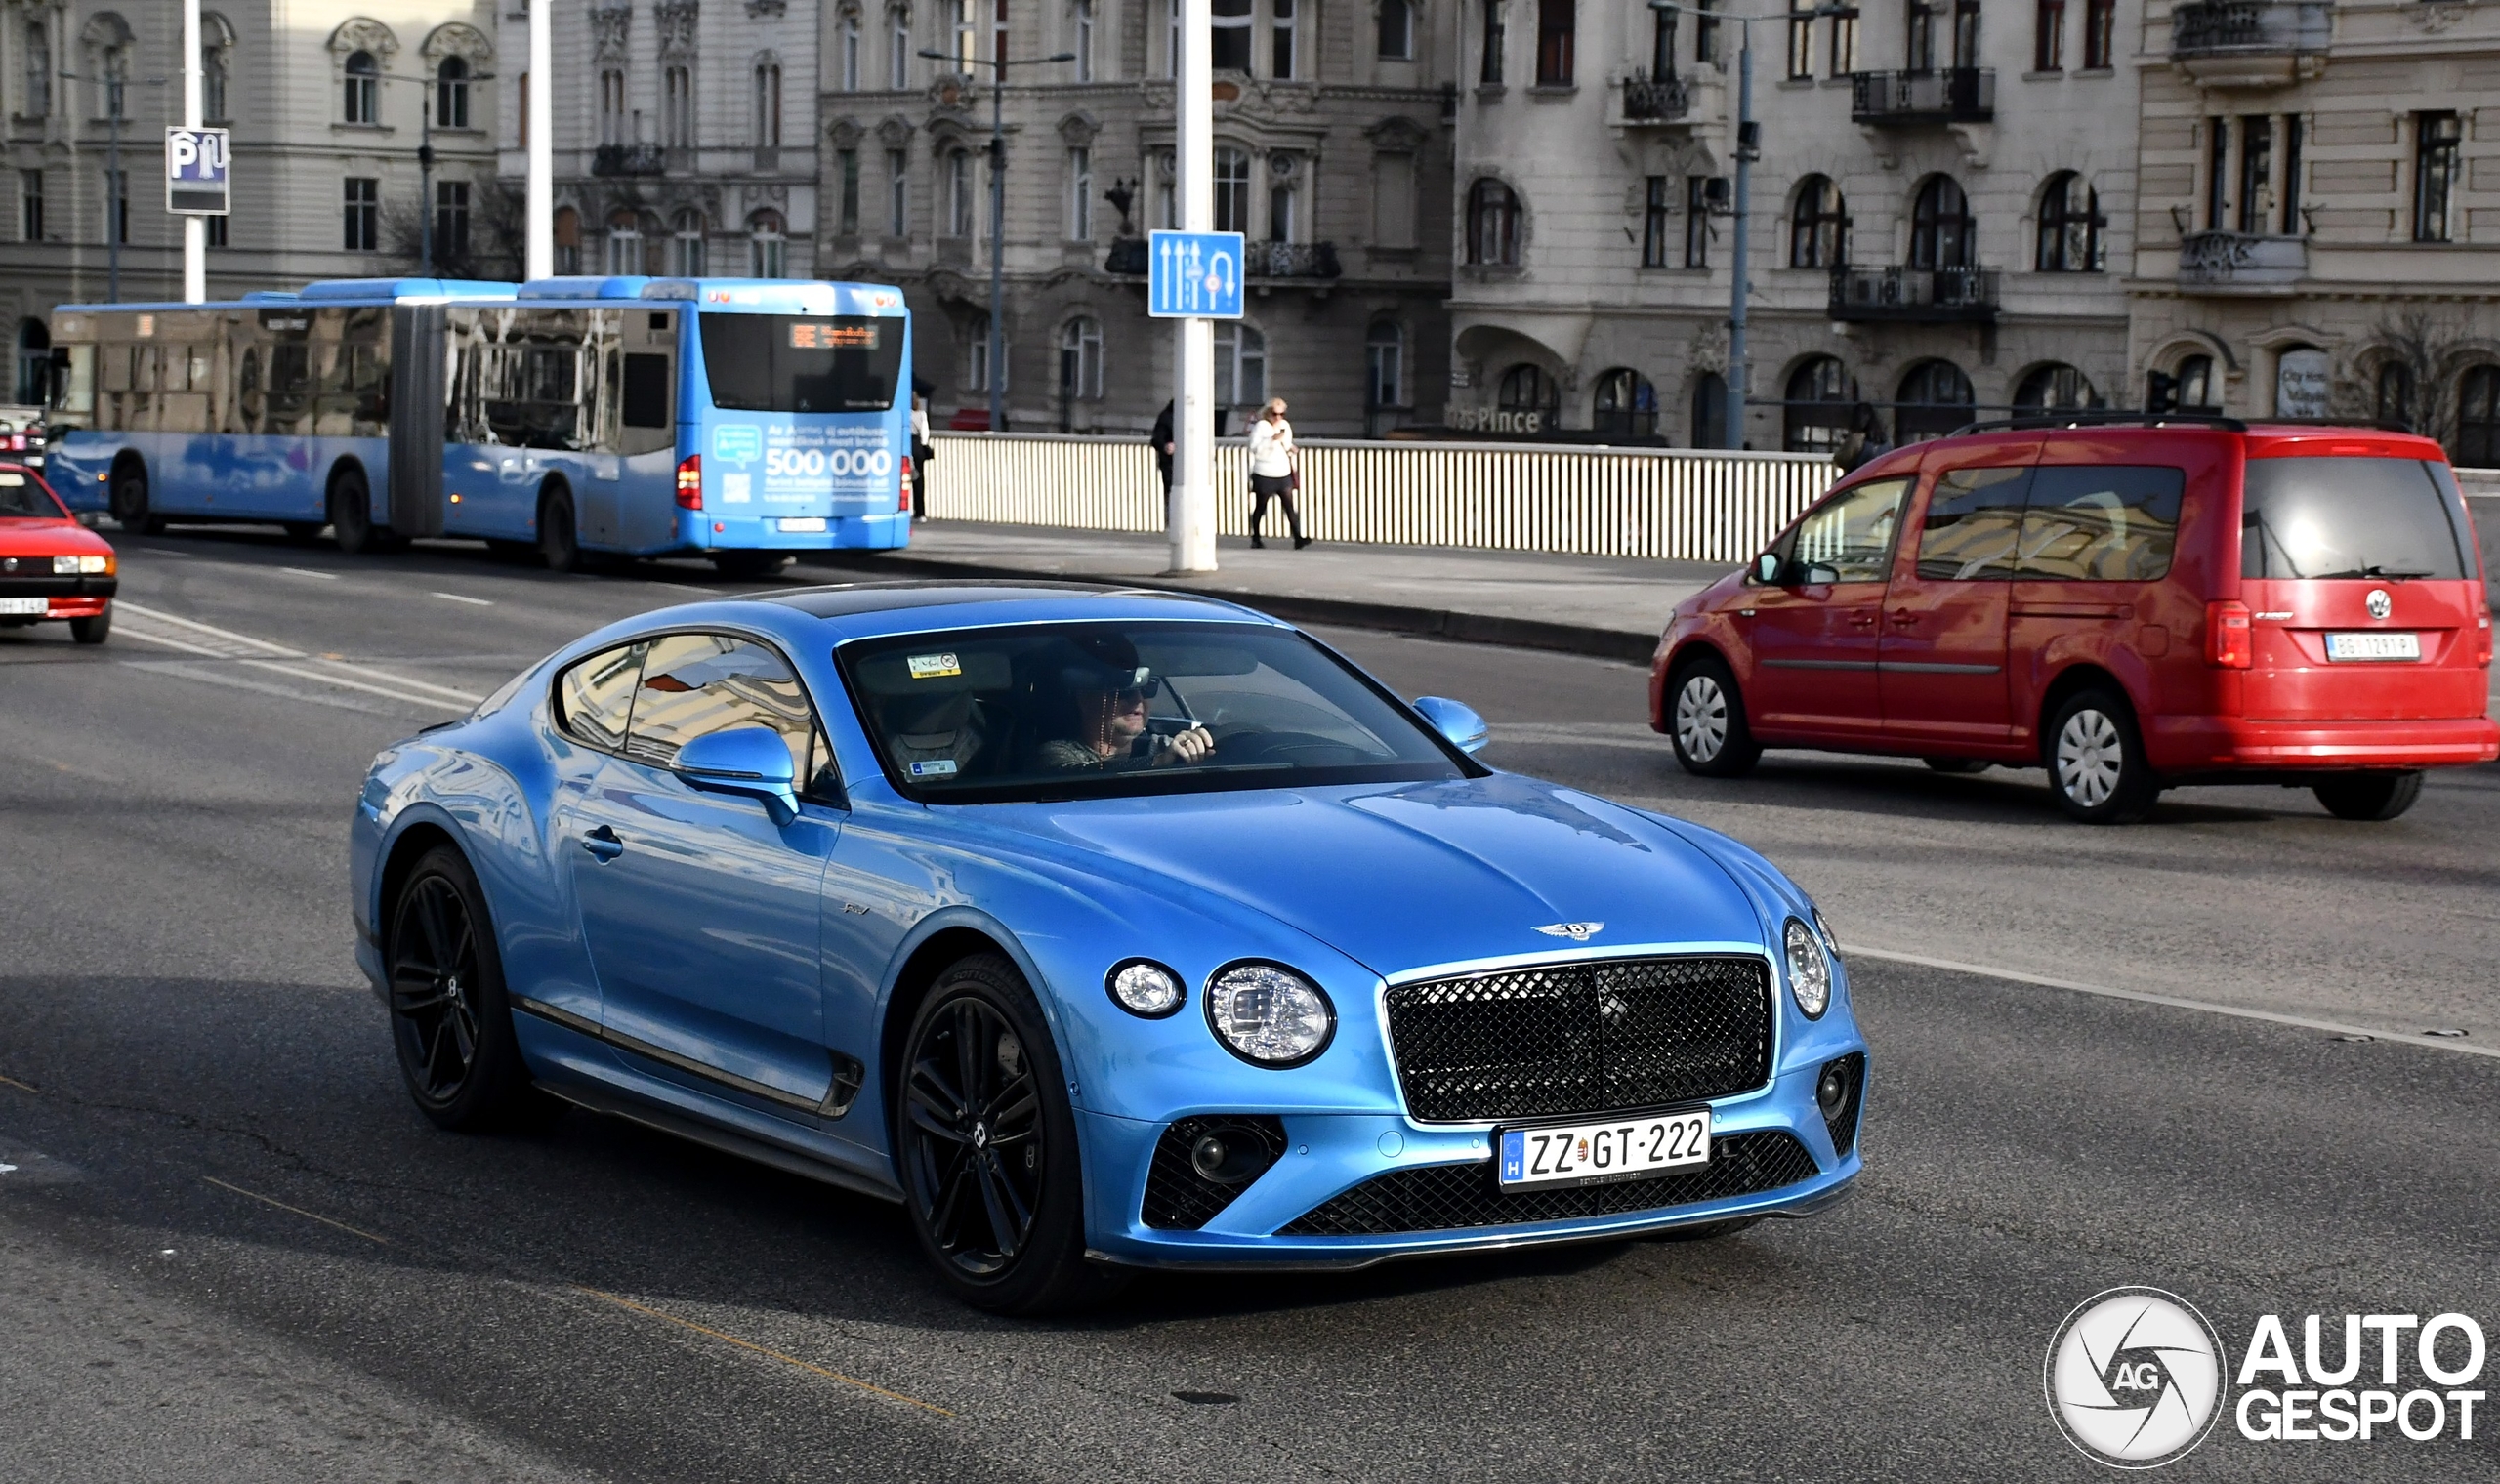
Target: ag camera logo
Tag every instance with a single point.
(2135, 1377)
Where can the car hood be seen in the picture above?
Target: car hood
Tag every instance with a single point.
(1412, 876)
(48, 536)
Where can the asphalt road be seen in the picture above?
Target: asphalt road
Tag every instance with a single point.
(231, 1249)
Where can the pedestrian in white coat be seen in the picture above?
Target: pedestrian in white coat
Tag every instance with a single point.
(1275, 471)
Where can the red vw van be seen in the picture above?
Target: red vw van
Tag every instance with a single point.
(2131, 604)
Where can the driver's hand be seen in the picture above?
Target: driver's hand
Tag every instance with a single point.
(1191, 746)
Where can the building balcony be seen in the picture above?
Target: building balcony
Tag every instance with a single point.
(1650, 99)
(628, 159)
(1906, 99)
(2241, 263)
(2250, 43)
(1128, 256)
(1914, 295)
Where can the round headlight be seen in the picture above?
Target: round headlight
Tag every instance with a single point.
(1809, 973)
(1268, 1013)
(1143, 987)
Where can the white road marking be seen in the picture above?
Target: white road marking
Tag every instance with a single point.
(2173, 1001)
(483, 602)
(309, 572)
(195, 637)
(1636, 735)
(223, 675)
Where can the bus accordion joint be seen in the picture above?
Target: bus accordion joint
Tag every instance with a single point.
(690, 483)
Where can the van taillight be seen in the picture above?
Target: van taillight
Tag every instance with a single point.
(2227, 643)
(2482, 642)
(903, 492)
(690, 483)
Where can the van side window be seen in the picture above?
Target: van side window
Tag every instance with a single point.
(1849, 537)
(594, 698)
(2101, 522)
(1974, 519)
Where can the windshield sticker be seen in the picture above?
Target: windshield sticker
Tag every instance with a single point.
(932, 667)
(941, 768)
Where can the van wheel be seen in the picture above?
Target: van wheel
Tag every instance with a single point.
(1957, 764)
(129, 501)
(352, 514)
(1706, 721)
(559, 543)
(2371, 795)
(2096, 760)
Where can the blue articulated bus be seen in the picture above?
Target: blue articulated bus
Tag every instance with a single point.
(738, 419)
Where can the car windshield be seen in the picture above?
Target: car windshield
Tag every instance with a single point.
(2316, 517)
(23, 496)
(800, 363)
(1095, 710)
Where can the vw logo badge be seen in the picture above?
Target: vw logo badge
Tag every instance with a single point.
(2135, 1377)
(2379, 603)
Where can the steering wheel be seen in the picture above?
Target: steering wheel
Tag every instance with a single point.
(1289, 747)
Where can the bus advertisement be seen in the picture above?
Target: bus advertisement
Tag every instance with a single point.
(743, 420)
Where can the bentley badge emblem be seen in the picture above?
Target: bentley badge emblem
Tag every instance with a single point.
(1577, 933)
(2378, 603)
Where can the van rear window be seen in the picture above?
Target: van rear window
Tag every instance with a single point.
(2320, 518)
(802, 362)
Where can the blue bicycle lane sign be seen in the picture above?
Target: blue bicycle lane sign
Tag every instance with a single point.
(1194, 276)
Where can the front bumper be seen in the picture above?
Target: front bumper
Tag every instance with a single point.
(64, 597)
(2204, 745)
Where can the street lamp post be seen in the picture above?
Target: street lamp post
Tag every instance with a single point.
(116, 193)
(998, 66)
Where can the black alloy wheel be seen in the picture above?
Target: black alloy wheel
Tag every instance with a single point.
(449, 1016)
(1706, 720)
(2371, 795)
(129, 501)
(559, 543)
(988, 1145)
(2096, 760)
(352, 514)
(92, 630)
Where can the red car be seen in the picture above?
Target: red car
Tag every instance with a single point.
(2131, 605)
(51, 568)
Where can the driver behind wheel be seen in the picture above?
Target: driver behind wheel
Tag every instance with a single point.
(1107, 690)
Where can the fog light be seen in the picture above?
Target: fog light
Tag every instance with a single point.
(1229, 1156)
(1810, 972)
(1831, 1093)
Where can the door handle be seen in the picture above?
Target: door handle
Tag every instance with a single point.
(1861, 620)
(603, 844)
(1904, 618)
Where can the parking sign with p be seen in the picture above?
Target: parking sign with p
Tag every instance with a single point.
(196, 162)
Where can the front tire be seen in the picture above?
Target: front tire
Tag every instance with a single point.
(449, 1019)
(988, 1147)
(2096, 760)
(92, 630)
(2371, 795)
(1706, 721)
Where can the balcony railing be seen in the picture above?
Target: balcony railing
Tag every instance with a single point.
(627, 159)
(1265, 260)
(2241, 263)
(1949, 96)
(1128, 255)
(2209, 27)
(1650, 99)
(1914, 295)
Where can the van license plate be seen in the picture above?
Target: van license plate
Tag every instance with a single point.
(2374, 646)
(1632, 1147)
(28, 606)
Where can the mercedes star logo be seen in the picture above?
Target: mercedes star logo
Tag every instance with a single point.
(2379, 603)
(1577, 933)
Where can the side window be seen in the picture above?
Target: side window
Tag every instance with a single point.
(1974, 519)
(1849, 537)
(2101, 522)
(595, 698)
(695, 684)
(647, 389)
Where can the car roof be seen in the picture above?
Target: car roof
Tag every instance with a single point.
(2117, 435)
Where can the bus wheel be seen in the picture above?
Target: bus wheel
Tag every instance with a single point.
(352, 513)
(129, 500)
(559, 541)
(748, 565)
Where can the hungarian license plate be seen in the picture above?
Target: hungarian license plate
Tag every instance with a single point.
(1630, 1147)
(810, 523)
(17, 607)
(2376, 645)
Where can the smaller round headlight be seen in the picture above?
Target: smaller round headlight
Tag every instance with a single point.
(1809, 973)
(1143, 987)
(1268, 1013)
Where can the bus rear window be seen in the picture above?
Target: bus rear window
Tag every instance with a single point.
(2351, 518)
(802, 362)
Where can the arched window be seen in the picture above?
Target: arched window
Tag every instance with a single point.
(1819, 231)
(1240, 365)
(34, 364)
(768, 104)
(1527, 387)
(1709, 402)
(2055, 388)
(216, 66)
(1080, 359)
(2071, 224)
(362, 103)
(1492, 225)
(1940, 225)
(624, 243)
(766, 245)
(1625, 407)
(1821, 397)
(1396, 30)
(569, 240)
(686, 256)
(2477, 444)
(2396, 394)
(1384, 366)
(2196, 390)
(676, 106)
(1232, 188)
(1935, 399)
(451, 93)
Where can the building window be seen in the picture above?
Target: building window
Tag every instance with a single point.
(1555, 25)
(965, 26)
(1394, 200)
(1527, 387)
(1281, 35)
(1492, 225)
(451, 93)
(1819, 399)
(1384, 366)
(1657, 207)
(1084, 40)
(2477, 444)
(687, 255)
(2290, 190)
(898, 193)
(1705, 33)
(766, 246)
(361, 215)
(624, 243)
(1229, 35)
(38, 60)
(847, 54)
(1709, 415)
(117, 204)
(217, 231)
(1919, 42)
(1935, 399)
(1844, 59)
(1662, 43)
(2217, 174)
(1966, 33)
(2071, 224)
(676, 107)
(1940, 225)
(2048, 35)
(451, 222)
(216, 69)
(846, 163)
(1240, 365)
(2100, 33)
(1280, 198)
(1080, 193)
(362, 103)
(1625, 407)
(898, 49)
(1231, 189)
(2396, 394)
(114, 67)
(2436, 139)
(768, 106)
(1080, 359)
(2191, 390)
(1696, 221)
(1489, 71)
(613, 128)
(2256, 171)
(1818, 230)
(2055, 386)
(1396, 34)
(976, 354)
(1801, 44)
(1172, 38)
(959, 193)
(569, 240)
(30, 206)
(34, 364)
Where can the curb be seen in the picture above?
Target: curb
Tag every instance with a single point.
(1627, 645)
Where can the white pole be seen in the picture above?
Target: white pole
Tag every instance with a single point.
(195, 229)
(540, 125)
(1193, 515)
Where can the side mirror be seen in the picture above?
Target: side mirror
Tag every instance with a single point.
(752, 762)
(1767, 570)
(1465, 730)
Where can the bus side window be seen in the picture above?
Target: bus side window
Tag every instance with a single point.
(74, 381)
(647, 384)
(248, 402)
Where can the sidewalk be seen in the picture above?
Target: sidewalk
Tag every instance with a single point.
(1609, 607)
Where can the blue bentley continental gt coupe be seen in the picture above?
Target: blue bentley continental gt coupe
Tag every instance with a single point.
(1102, 930)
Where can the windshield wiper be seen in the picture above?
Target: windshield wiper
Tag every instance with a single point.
(2392, 574)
